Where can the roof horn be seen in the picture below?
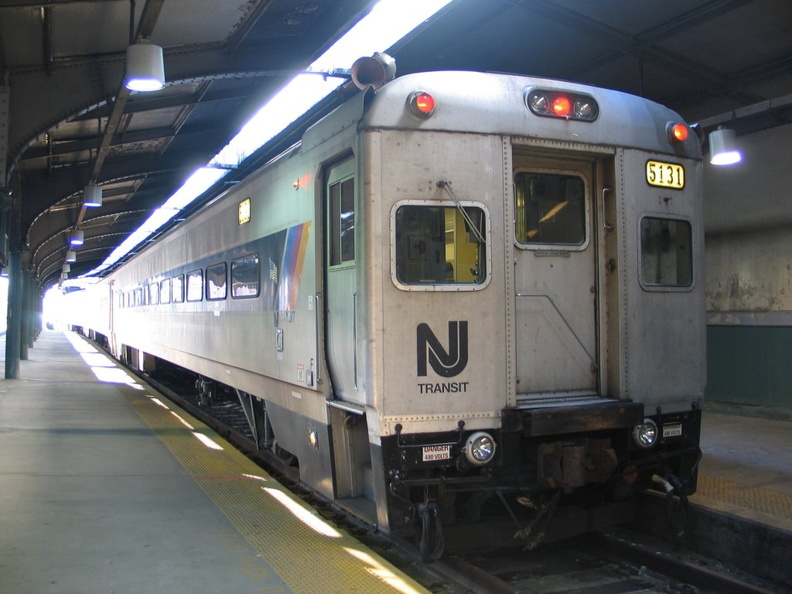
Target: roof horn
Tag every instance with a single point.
(374, 71)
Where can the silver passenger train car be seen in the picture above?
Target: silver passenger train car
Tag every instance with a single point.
(462, 293)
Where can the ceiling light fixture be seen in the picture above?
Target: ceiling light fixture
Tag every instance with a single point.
(92, 196)
(145, 69)
(723, 147)
(77, 238)
(71, 256)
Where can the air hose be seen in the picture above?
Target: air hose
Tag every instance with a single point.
(671, 485)
(428, 512)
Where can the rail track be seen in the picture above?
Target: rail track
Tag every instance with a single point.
(600, 563)
(618, 562)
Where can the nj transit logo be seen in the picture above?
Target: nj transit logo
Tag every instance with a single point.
(445, 363)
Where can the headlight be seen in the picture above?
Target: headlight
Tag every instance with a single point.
(480, 448)
(645, 434)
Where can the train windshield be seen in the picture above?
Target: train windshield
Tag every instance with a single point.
(440, 245)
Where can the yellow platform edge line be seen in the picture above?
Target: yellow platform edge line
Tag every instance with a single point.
(764, 501)
(253, 502)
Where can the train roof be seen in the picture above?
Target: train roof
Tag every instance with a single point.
(490, 103)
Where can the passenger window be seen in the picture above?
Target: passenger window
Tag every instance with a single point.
(245, 277)
(666, 253)
(177, 288)
(550, 209)
(342, 221)
(440, 245)
(195, 285)
(139, 296)
(216, 287)
(153, 293)
(165, 291)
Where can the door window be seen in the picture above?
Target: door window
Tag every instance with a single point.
(342, 221)
(550, 209)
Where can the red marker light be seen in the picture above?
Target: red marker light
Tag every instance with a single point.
(421, 104)
(562, 106)
(678, 132)
(425, 103)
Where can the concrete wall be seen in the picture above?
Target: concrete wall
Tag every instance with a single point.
(748, 223)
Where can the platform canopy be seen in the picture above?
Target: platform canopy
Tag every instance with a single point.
(67, 121)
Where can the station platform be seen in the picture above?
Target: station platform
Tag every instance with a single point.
(746, 468)
(741, 514)
(106, 488)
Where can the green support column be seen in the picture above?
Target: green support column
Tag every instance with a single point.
(38, 309)
(33, 309)
(24, 335)
(14, 330)
(13, 257)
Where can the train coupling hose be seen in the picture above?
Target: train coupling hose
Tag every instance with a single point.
(429, 514)
(670, 485)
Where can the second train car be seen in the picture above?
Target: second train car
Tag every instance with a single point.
(462, 293)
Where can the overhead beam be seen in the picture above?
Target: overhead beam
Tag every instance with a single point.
(148, 19)
(42, 192)
(47, 3)
(626, 44)
(749, 111)
(35, 109)
(66, 147)
(139, 104)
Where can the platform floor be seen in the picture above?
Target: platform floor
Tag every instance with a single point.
(104, 488)
(746, 468)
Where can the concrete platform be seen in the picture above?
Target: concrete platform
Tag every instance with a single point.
(105, 488)
(742, 512)
(746, 468)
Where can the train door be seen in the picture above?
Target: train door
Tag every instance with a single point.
(341, 278)
(352, 470)
(555, 279)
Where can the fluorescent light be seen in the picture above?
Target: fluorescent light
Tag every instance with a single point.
(388, 22)
(200, 181)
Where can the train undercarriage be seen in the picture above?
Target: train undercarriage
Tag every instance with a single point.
(540, 488)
